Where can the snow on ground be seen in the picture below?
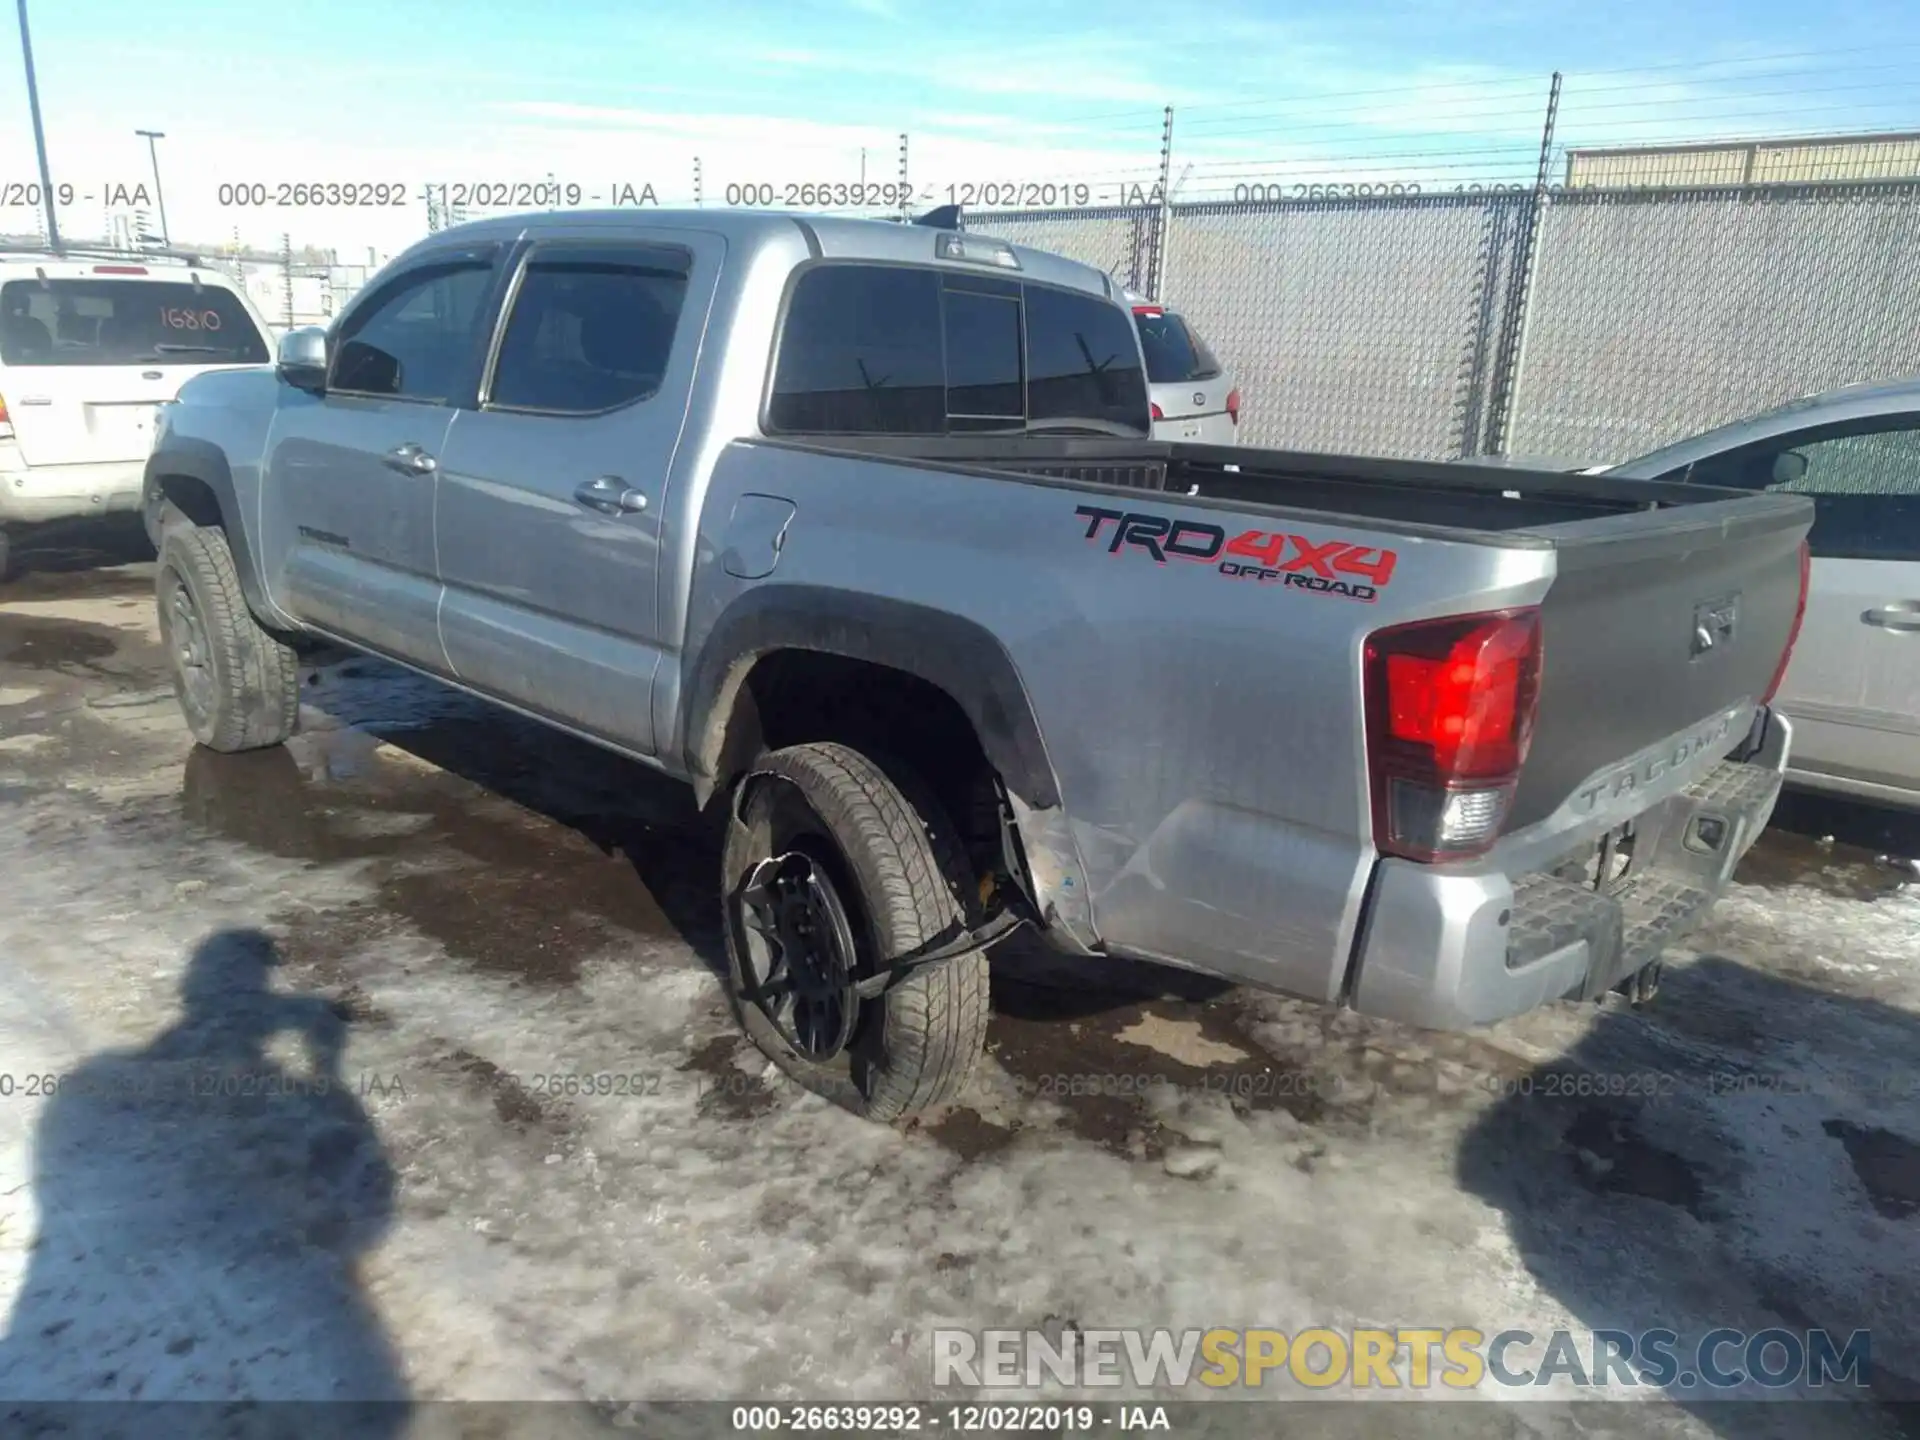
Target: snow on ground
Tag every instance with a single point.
(449, 918)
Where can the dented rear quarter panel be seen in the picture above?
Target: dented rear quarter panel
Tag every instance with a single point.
(1205, 731)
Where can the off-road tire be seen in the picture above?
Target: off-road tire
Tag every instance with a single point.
(909, 884)
(253, 699)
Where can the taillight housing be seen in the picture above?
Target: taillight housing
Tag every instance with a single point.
(1450, 709)
(1158, 413)
(1233, 406)
(6, 421)
(1793, 635)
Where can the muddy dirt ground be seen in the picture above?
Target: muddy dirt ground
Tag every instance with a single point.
(544, 1165)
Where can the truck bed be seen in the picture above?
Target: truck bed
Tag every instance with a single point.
(1639, 567)
(1462, 501)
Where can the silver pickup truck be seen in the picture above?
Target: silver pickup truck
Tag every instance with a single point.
(857, 528)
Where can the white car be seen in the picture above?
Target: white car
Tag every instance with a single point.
(1853, 687)
(91, 344)
(1194, 398)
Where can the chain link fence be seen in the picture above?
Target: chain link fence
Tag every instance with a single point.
(1655, 314)
(1397, 326)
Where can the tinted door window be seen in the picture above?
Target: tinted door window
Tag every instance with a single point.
(1083, 362)
(416, 340)
(125, 322)
(1864, 477)
(589, 333)
(899, 351)
(1175, 354)
(983, 359)
(861, 354)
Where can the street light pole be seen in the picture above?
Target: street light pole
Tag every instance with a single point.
(166, 235)
(39, 135)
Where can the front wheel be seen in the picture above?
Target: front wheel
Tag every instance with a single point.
(238, 685)
(833, 868)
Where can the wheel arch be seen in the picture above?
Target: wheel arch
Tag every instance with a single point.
(194, 477)
(958, 657)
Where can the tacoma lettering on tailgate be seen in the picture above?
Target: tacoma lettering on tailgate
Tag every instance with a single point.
(1326, 567)
(1649, 768)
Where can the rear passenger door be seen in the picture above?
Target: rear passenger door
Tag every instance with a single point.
(347, 510)
(1853, 686)
(551, 488)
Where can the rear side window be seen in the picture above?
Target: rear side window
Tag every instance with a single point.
(414, 340)
(590, 332)
(1863, 475)
(125, 322)
(861, 354)
(1175, 352)
(891, 350)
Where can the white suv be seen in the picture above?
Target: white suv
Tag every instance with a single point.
(91, 344)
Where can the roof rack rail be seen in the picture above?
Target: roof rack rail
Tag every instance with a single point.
(103, 252)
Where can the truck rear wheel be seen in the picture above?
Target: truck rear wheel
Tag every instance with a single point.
(832, 868)
(238, 685)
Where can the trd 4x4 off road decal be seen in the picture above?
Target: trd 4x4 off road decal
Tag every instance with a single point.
(1326, 567)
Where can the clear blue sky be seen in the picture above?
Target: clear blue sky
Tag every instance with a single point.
(798, 86)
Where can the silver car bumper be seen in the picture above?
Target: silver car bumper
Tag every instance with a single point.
(31, 493)
(1449, 950)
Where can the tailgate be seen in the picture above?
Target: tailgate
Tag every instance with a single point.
(76, 415)
(1658, 620)
(1178, 401)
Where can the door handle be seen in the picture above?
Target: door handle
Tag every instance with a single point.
(610, 495)
(1901, 615)
(410, 459)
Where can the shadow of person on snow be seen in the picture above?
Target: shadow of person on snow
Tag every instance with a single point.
(201, 1208)
(1745, 1154)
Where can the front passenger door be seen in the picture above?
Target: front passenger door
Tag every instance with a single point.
(348, 506)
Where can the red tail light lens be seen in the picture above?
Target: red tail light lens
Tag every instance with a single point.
(1233, 406)
(1450, 709)
(119, 269)
(1793, 635)
(1158, 413)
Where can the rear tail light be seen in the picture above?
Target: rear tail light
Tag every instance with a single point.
(119, 269)
(1793, 635)
(1450, 709)
(1151, 312)
(1158, 413)
(1233, 406)
(6, 421)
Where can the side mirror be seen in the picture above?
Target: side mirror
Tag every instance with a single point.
(303, 357)
(1789, 468)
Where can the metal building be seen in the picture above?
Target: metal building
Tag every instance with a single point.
(1785, 161)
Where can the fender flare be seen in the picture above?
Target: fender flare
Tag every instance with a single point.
(956, 655)
(206, 463)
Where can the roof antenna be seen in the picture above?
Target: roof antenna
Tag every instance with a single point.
(947, 217)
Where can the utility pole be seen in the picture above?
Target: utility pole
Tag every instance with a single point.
(699, 198)
(1513, 320)
(906, 187)
(286, 272)
(159, 198)
(1157, 263)
(39, 134)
